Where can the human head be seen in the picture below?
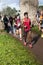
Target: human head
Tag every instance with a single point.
(15, 17)
(41, 12)
(26, 14)
(38, 12)
(18, 16)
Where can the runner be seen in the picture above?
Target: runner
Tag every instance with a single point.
(41, 23)
(38, 19)
(19, 31)
(11, 22)
(5, 19)
(27, 29)
(14, 25)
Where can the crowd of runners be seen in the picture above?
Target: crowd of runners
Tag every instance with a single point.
(39, 18)
(14, 25)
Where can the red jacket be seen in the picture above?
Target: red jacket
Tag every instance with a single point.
(26, 23)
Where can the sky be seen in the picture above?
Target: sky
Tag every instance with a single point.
(13, 3)
(40, 2)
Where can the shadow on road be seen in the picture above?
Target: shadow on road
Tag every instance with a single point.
(35, 39)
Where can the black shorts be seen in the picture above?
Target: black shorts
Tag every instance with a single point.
(25, 33)
(19, 27)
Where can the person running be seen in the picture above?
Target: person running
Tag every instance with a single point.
(11, 22)
(19, 31)
(14, 25)
(5, 22)
(41, 23)
(27, 28)
(38, 16)
(38, 19)
(9, 28)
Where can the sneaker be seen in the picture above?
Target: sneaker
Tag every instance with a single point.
(14, 35)
(10, 32)
(20, 39)
(24, 43)
(41, 35)
(30, 45)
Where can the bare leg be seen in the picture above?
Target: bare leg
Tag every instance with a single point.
(20, 33)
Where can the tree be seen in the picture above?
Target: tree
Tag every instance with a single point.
(9, 11)
(41, 7)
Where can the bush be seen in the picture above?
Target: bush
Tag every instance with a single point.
(35, 29)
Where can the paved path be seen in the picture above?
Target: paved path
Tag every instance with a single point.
(38, 50)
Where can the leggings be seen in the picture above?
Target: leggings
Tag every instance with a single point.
(25, 36)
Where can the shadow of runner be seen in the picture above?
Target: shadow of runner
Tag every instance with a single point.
(35, 39)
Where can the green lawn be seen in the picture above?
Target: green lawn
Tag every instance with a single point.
(12, 52)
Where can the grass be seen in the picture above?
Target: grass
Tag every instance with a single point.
(12, 52)
(35, 29)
